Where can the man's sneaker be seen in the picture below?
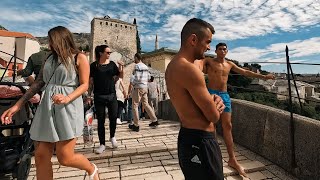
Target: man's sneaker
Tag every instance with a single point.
(119, 121)
(100, 149)
(154, 124)
(134, 128)
(114, 142)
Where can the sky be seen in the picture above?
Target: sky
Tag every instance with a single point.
(254, 30)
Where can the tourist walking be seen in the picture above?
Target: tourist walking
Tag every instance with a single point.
(102, 73)
(139, 82)
(58, 121)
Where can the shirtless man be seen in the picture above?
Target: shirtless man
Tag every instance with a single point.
(198, 151)
(218, 70)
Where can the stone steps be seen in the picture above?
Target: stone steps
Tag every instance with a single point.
(147, 154)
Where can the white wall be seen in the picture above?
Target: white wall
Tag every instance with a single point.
(6, 45)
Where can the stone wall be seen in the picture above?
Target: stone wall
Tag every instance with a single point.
(267, 132)
(120, 36)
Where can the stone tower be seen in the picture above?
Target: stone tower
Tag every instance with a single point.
(120, 36)
(156, 46)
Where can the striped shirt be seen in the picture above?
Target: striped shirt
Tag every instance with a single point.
(141, 76)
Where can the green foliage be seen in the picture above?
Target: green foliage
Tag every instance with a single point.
(311, 110)
(138, 43)
(237, 80)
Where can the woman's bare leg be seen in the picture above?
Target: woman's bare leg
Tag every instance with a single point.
(67, 157)
(43, 154)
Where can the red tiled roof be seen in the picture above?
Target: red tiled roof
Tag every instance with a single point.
(15, 34)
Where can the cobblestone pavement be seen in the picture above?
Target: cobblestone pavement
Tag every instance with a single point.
(151, 154)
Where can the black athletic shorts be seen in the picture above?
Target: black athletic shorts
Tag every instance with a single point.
(199, 155)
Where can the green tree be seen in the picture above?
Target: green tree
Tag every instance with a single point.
(137, 37)
(2, 28)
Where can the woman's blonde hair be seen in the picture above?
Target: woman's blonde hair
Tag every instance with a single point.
(62, 45)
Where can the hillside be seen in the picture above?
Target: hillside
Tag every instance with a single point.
(81, 39)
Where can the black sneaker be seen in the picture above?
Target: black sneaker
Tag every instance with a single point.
(154, 124)
(134, 128)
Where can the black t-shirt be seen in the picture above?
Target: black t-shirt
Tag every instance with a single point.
(102, 75)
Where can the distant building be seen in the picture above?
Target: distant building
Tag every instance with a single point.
(119, 35)
(280, 86)
(26, 46)
(159, 59)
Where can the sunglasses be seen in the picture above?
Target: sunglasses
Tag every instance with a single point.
(108, 52)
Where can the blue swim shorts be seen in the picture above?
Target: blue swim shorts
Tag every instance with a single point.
(225, 97)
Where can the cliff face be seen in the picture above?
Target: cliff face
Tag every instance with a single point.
(82, 40)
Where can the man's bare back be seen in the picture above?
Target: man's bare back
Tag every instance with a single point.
(184, 82)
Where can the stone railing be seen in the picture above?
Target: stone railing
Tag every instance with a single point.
(266, 131)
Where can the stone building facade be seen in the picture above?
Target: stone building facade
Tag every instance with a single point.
(159, 59)
(120, 36)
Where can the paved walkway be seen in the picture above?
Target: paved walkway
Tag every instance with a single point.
(151, 154)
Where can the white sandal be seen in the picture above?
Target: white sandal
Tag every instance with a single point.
(94, 172)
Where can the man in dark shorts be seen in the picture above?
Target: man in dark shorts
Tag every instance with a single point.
(198, 151)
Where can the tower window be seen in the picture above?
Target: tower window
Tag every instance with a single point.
(100, 23)
(107, 23)
(116, 25)
(125, 26)
(110, 24)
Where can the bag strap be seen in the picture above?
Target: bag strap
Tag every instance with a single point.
(52, 73)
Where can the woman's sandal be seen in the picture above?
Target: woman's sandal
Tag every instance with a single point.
(91, 177)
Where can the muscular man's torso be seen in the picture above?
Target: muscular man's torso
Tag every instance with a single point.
(218, 74)
(189, 113)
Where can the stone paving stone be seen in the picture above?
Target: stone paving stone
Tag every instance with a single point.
(108, 169)
(172, 167)
(120, 163)
(279, 172)
(141, 160)
(234, 178)
(229, 171)
(141, 145)
(161, 157)
(116, 159)
(64, 168)
(144, 176)
(75, 178)
(169, 162)
(94, 156)
(256, 176)
(68, 174)
(176, 175)
(151, 149)
(161, 177)
(109, 175)
(130, 141)
(160, 154)
(127, 152)
(268, 174)
(140, 165)
(140, 156)
(241, 158)
(141, 171)
(174, 152)
(252, 166)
